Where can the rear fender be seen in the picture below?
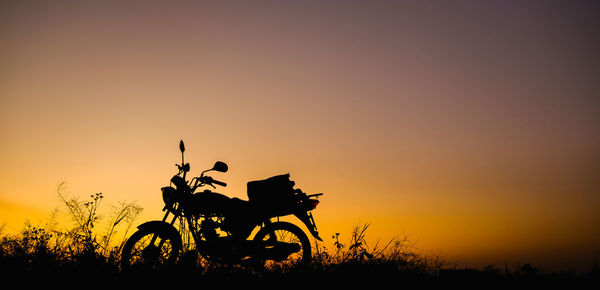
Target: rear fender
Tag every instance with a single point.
(308, 220)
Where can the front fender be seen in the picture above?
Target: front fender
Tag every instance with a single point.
(160, 227)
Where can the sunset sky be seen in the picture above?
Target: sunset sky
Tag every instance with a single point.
(473, 127)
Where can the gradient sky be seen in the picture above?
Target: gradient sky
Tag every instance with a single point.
(471, 126)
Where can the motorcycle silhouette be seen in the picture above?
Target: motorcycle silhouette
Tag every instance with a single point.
(221, 226)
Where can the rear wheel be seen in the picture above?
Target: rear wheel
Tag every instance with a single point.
(293, 246)
(150, 248)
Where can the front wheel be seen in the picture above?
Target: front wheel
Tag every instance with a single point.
(289, 234)
(151, 248)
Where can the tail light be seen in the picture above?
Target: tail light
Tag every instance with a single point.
(314, 203)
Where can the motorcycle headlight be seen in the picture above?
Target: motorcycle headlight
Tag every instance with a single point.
(168, 194)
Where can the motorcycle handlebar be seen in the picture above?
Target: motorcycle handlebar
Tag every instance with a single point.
(219, 182)
(210, 180)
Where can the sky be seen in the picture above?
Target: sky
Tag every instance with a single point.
(470, 126)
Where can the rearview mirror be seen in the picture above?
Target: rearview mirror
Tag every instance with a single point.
(220, 166)
(181, 146)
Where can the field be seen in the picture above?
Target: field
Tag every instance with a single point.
(85, 254)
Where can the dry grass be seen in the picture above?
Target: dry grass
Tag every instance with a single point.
(84, 244)
(91, 247)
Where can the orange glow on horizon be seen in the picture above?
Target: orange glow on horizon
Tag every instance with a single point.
(477, 138)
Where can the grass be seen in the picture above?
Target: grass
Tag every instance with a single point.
(86, 245)
(90, 247)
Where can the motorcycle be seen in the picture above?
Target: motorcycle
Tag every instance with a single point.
(221, 227)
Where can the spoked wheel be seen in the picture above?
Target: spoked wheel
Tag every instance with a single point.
(286, 245)
(150, 248)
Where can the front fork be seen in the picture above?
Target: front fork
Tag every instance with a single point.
(155, 236)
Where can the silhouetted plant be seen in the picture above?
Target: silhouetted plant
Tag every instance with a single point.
(399, 255)
(122, 215)
(84, 215)
(46, 248)
(81, 241)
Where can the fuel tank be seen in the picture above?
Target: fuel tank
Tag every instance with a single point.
(208, 202)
